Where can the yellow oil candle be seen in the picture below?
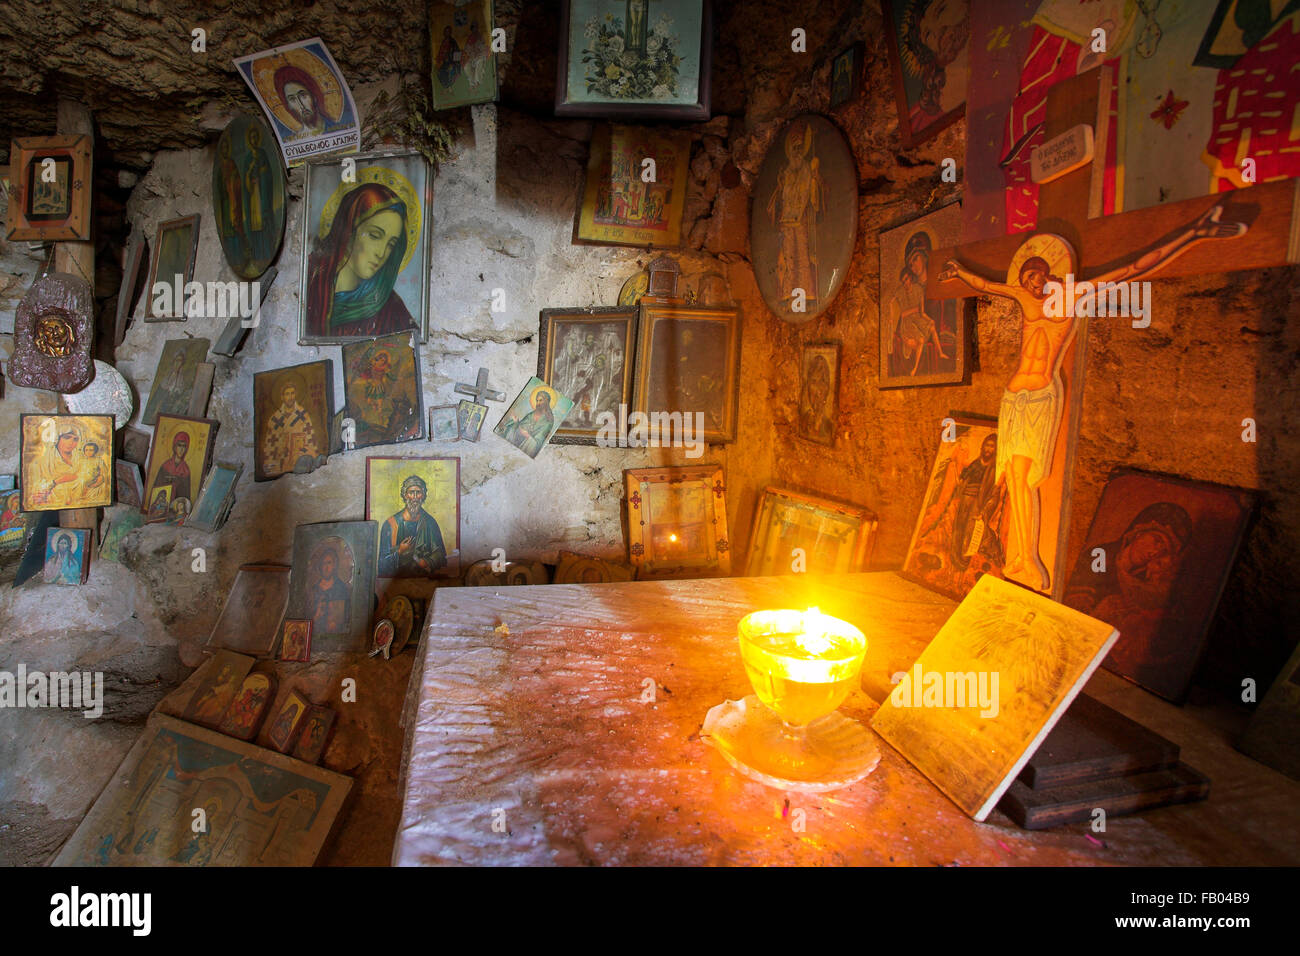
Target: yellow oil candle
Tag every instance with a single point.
(802, 664)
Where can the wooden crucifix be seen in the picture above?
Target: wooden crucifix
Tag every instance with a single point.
(480, 389)
(1039, 412)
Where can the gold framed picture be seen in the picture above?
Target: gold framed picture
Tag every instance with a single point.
(688, 362)
(677, 522)
(50, 191)
(795, 532)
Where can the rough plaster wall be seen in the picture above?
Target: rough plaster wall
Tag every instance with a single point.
(1169, 398)
(502, 217)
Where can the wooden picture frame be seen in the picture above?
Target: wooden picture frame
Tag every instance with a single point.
(464, 68)
(819, 388)
(436, 521)
(333, 583)
(244, 715)
(390, 178)
(176, 248)
(184, 475)
(923, 341)
(962, 518)
(677, 522)
(174, 378)
(443, 423)
(68, 565)
(292, 432)
(567, 362)
(618, 207)
(846, 75)
(139, 800)
(57, 474)
(282, 733)
(215, 496)
(44, 210)
(796, 532)
(250, 618)
(672, 366)
(137, 254)
(295, 642)
(1169, 546)
(314, 735)
(944, 70)
(577, 64)
(128, 487)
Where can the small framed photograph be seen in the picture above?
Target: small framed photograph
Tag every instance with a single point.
(629, 59)
(443, 424)
(846, 75)
(174, 378)
(794, 532)
(677, 522)
(469, 419)
(295, 645)
(587, 354)
(51, 187)
(176, 248)
(688, 362)
(288, 721)
(819, 387)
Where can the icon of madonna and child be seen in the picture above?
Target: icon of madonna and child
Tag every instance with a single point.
(365, 274)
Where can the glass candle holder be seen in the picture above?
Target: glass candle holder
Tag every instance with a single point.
(802, 666)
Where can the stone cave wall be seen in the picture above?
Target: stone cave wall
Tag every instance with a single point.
(1169, 398)
(502, 217)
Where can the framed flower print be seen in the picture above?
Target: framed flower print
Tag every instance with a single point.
(634, 59)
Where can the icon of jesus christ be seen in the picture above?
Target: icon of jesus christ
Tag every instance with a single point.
(1029, 418)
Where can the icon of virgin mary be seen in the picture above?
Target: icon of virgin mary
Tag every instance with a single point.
(352, 269)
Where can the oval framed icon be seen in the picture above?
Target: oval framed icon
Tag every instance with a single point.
(803, 220)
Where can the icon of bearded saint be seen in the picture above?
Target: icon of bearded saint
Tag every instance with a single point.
(290, 437)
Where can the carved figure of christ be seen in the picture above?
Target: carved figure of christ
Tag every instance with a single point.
(1029, 418)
